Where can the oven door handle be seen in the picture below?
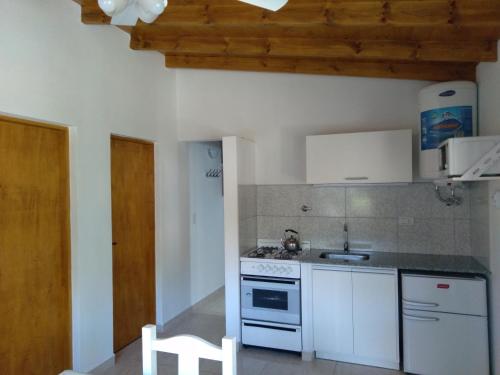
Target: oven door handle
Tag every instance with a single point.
(271, 280)
(266, 326)
(293, 286)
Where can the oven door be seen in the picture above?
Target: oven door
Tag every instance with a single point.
(270, 299)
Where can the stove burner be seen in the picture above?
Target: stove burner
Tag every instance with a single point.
(271, 252)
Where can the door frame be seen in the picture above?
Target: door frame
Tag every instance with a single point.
(69, 204)
(157, 218)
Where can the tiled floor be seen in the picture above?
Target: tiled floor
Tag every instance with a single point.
(207, 320)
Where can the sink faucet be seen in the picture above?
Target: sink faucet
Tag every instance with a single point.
(346, 238)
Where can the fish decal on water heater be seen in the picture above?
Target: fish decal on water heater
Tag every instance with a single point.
(437, 125)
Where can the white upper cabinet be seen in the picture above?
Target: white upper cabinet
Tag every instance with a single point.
(370, 157)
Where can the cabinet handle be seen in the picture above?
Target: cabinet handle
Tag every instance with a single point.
(380, 271)
(356, 178)
(421, 304)
(421, 318)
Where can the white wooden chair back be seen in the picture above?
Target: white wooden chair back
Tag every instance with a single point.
(189, 349)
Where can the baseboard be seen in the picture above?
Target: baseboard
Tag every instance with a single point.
(351, 358)
(107, 364)
(209, 296)
(182, 315)
(207, 299)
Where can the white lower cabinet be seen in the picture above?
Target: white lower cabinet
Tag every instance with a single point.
(332, 312)
(375, 318)
(355, 316)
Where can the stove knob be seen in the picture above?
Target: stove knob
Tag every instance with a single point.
(260, 267)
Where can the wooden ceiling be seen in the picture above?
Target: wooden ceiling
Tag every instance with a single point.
(414, 39)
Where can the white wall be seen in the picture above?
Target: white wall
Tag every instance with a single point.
(495, 278)
(279, 110)
(54, 68)
(239, 170)
(489, 124)
(207, 221)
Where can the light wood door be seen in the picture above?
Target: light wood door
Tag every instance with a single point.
(133, 204)
(332, 313)
(35, 307)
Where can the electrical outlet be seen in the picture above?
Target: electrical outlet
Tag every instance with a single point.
(404, 220)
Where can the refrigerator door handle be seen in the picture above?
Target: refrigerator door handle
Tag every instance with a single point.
(420, 318)
(420, 304)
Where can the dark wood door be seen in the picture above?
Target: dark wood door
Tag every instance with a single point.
(133, 204)
(35, 302)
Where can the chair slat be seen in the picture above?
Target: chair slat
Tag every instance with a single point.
(189, 349)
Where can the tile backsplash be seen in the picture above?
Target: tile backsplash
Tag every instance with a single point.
(480, 222)
(406, 218)
(247, 204)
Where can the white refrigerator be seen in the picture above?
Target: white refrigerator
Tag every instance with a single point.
(445, 325)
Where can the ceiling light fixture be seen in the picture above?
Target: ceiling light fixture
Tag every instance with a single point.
(113, 7)
(273, 5)
(127, 12)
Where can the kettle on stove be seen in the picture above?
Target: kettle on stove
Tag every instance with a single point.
(291, 242)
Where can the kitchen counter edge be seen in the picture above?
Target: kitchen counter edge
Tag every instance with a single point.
(460, 264)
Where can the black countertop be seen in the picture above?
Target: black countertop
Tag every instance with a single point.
(404, 261)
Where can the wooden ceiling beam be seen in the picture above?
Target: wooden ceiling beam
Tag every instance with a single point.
(480, 24)
(420, 71)
(412, 39)
(93, 15)
(321, 48)
(346, 12)
(367, 13)
(442, 33)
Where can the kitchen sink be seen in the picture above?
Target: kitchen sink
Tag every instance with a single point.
(344, 256)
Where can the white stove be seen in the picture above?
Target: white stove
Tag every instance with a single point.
(270, 268)
(270, 297)
(271, 260)
(274, 252)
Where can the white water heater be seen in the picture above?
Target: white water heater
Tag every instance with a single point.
(447, 110)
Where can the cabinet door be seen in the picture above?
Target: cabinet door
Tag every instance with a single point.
(445, 344)
(368, 157)
(375, 316)
(332, 312)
